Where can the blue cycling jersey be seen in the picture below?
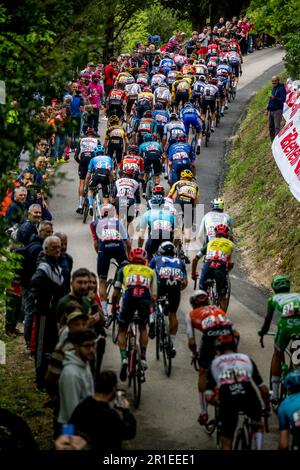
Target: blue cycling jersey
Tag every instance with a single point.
(150, 149)
(161, 223)
(102, 162)
(188, 111)
(289, 413)
(169, 268)
(160, 116)
(180, 151)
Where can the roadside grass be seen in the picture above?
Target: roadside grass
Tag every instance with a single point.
(266, 215)
(18, 393)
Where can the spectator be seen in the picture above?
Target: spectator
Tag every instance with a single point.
(13, 303)
(70, 443)
(28, 228)
(29, 264)
(275, 106)
(38, 170)
(16, 210)
(76, 379)
(95, 98)
(109, 76)
(103, 426)
(65, 261)
(79, 290)
(47, 288)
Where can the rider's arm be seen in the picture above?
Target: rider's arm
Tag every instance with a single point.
(210, 387)
(194, 266)
(87, 178)
(77, 152)
(201, 233)
(94, 235)
(184, 279)
(143, 226)
(263, 389)
(117, 287)
(268, 319)
(173, 193)
(153, 290)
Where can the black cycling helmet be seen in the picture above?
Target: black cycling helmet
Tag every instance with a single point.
(133, 149)
(158, 106)
(167, 248)
(174, 116)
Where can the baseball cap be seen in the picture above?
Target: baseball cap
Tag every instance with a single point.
(91, 64)
(75, 314)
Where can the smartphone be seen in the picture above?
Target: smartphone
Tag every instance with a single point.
(119, 399)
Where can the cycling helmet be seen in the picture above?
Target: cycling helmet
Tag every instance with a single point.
(226, 342)
(186, 174)
(217, 204)
(157, 200)
(119, 85)
(128, 171)
(188, 104)
(179, 75)
(107, 210)
(202, 78)
(281, 284)
(213, 81)
(147, 113)
(180, 138)
(147, 137)
(167, 248)
(90, 130)
(292, 379)
(199, 298)
(133, 149)
(99, 150)
(138, 255)
(130, 80)
(222, 230)
(201, 61)
(113, 120)
(158, 190)
(224, 60)
(158, 106)
(148, 89)
(173, 116)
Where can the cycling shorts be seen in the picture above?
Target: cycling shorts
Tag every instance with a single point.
(207, 350)
(205, 103)
(193, 121)
(117, 149)
(187, 211)
(124, 208)
(156, 162)
(135, 300)
(101, 177)
(218, 273)
(184, 164)
(231, 403)
(173, 294)
(235, 68)
(84, 164)
(181, 96)
(287, 327)
(107, 252)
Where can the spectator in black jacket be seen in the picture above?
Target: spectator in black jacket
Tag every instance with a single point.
(29, 265)
(17, 209)
(65, 261)
(28, 228)
(275, 106)
(47, 288)
(102, 426)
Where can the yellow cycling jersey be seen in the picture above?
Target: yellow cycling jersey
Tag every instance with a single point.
(186, 190)
(122, 77)
(219, 249)
(115, 133)
(181, 85)
(145, 94)
(137, 275)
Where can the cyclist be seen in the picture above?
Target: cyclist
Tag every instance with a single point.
(191, 117)
(140, 293)
(212, 64)
(180, 157)
(198, 89)
(133, 162)
(116, 101)
(146, 125)
(234, 374)
(200, 68)
(167, 63)
(172, 129)
(287, 305)
(161, 224)
(211, 321)
(185, 193)
(289, 411)
(132, 90)
(126, 192)
(100, 171)
(162, 95)
(181, 91)
(213, 218)
(171, 279)
(83, 155)
(116, 140)
(111, 241)
(161, 118)
(157, 79)
(143, 103)
(151, 152)
(218, 253)
(210, 94)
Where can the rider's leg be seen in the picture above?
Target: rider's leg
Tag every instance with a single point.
(277, 359)
(80, 191)
(90, 197)
(103, 296)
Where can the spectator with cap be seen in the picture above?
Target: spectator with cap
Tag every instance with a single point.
(28, 228)
(76, 380)
(102, 426)
(275, 106)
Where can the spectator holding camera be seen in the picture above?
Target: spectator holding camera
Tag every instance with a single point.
(94, 418)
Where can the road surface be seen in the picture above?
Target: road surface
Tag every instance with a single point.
(169, 408)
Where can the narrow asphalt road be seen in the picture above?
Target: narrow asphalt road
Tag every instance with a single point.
(167, 418)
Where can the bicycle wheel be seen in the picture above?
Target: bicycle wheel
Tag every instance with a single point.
(137, 378)
(149, 188)
(166, 349)
(157, 336)
(207, 131)
(228, 293)
(85, 209)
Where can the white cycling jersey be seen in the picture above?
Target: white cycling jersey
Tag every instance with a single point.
(126, 187)
(88, 144)
(209, 223)
(132, 90)
(162, 94)
(210, 92)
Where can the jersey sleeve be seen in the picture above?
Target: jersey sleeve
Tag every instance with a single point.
(120, 278)
(189, 326)
(173, 189)
(90, 167)
(257, 379)
(283, 418)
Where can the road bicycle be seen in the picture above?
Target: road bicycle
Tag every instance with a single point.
(150, 183)
(109, 290)
(211, 289)
(245, 432)
(136, 374)
(97, 202)
(207, 126)
(85, 207)
(232, 89)
(163, 339)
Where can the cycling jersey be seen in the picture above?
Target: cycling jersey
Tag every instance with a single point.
(210, 92)
(116, 135)
(206, 318)
(116, 98)
(224, 70)
(87, 146)
(191, 117)
(162, 95)
(137, 275)
(179, 59)
(145, 96)
(166, 64)
(172, 130)
(146, 126)
(126, 188)
(132, 162)
(286, 304)
(187, 191)
(142, 80)
(180, 151)
(201, 69)
(171, 77)
(170, 270)
(161, 117)
(217, 250)
(213, 49)
(109, 230)
(161, 223)
(198, 89)
(157, 79)
(150, 150)
(209, 223)
(289, 417)
(132, 90)
(102, 162)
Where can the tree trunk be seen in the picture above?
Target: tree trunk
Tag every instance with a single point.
(198, 14)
